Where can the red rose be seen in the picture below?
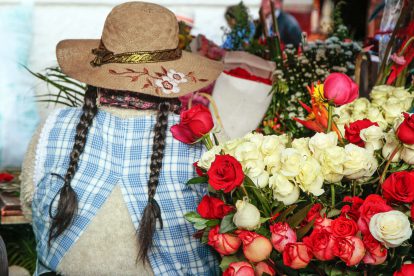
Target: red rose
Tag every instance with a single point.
(376, 253)
(323, 223)
(194, 124)
(282, 234)
(297, 255)
(352, 132)
(412, 212)
(344, 227)
(256, 248)
(351, 250)
(372, 205)
(239, 269)
(6, 177)
(399, 186)
(353, 210)
(314, 212)
(405, 131)
(406, 270)
(225, 244)
(340, 89)
(225, 173)
(321, 243)
(213, 208)
(264, 267)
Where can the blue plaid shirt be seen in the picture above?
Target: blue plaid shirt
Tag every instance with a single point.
(118, 152)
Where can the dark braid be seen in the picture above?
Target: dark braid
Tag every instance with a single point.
(68, 202)
(152, 211)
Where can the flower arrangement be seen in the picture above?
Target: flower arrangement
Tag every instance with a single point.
(330, 204)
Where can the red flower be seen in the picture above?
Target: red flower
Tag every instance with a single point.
(256, 248)
(405, 131)
(323, 223)
(225, 244)
(195, 123)
(412, 212)
(297, 255)
(321, 243)
(282, 234)
(225, 173)
(352, 211)
(344, 227)
(314, 212)
(399, 186)
(264, 267)
(405, 270)
(376, 253)
(213, 208)
(352, 132)
(340, 89)
(351, 250)
(6, 177)
(199, 171)
(372, 205)
(239, 269)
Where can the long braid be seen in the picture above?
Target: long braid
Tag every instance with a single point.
(152, 211)
(68, 202)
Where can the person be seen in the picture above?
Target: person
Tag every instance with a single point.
(107, 182)
(289, 29)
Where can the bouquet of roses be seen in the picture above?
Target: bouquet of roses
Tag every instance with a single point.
(324, 205)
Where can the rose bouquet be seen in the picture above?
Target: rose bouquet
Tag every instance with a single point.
(330, 204)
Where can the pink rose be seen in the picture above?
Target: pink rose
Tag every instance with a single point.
(239, 269)
(322, 223)
(321, 243)
(264, 267)
(376, 253)
(256, 247)
(297, 255)
(351, 250)
(282, 234)
(225, 244)
(340, 89)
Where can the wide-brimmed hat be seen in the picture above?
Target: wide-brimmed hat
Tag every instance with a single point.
(138, 52)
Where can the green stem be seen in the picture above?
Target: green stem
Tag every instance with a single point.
(333, 195)
(384, 173)
(330, 112)
(207, 141)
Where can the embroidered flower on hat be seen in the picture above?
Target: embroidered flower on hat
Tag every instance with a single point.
(167, 85)
(177, 76)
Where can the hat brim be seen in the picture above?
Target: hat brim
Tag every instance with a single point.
(168, 79)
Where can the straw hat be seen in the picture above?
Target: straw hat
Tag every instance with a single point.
(137, 52)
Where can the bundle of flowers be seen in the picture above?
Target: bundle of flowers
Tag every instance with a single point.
(324, 205)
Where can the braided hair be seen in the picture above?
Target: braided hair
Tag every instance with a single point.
(68, 202)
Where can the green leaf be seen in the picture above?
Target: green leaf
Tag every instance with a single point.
(212, 222)
(197, 180)
(227, 260)
(285, 213)
(305, 229)
(263, 220)
(194, 217)
(227, 224)
(298, 217)
(264, 202)
(333, 213)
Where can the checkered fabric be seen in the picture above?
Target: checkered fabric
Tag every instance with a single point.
(118, 152)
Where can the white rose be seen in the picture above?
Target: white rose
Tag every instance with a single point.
(261, 180)
(343, 115)
(253, 167)
(310, 179)
(256, 138)
(273, 163)
(360, 105)
(292, 162)
(247, 216)
(405, 97)
(284, 190)
(391, 142)
(379, 94)
(372, 136)
(246, 151)
(208, 157)
(321, 141)
(358, 116)
(392, 110)
(230, 146)
(375, 115)
(359, 163)
(407, 154)
(332, 164)
(391, 228)
(271, 144)
(302, 145)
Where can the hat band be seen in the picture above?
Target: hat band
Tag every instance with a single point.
(104, 56)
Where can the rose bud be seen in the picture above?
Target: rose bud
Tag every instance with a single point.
(321, 243)
(239, 269)
(344, 227)
(406, 270)
(256, 247)
(340, 89)
(194, 124)
(225, 173)
(264, 267)
(351, 250)
(282, 234)
(225, 244)
(353, 131)
(399, 187)
(322, 223)
(405, 131)
(372, 205)
(376, 254)
(247, 216)
(297, 255)
(213, 208)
